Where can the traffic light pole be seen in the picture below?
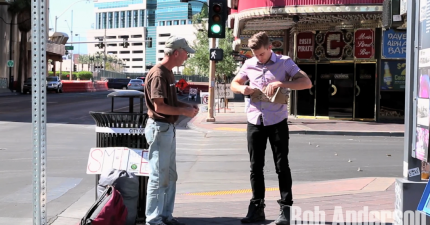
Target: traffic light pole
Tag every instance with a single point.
(211, 102)
(71, 51)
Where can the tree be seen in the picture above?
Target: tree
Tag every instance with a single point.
(22, 10)
(199, 63)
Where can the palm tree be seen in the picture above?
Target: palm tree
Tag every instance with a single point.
(22, 10)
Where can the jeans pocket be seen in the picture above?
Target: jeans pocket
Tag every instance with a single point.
(163, 127)
(150, 134)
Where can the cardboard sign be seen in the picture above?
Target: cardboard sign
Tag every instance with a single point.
(121, 158)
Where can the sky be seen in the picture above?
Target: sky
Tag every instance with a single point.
(83, 20)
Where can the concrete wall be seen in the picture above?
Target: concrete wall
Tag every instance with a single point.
(5, 50)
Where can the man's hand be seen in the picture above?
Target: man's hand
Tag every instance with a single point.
(271, 88)
(247, 90)
(191, 111)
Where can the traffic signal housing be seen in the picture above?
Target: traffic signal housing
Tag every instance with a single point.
(217, 18)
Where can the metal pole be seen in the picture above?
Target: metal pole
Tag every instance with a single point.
(409, 162)
(39, 116)
(56, 18)
(71, 51)
(211, 117)
(104, 52)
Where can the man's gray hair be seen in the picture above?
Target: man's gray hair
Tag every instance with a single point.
(169, 51)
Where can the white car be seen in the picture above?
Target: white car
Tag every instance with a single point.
(136, 84)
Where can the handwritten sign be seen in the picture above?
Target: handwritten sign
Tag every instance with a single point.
(223, 91)
(135, 161)
(364, 40)
(305, 45)
(394, 44)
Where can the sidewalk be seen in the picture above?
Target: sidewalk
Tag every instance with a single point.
(317, 201)
(234, 120)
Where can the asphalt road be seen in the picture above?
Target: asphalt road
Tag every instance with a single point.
(206, 162)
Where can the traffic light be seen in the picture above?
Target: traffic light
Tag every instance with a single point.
(216, 54)
(125, 43)
(66, 53)
(217, 18)
(100, 44)
(74, 68)
(149, 42)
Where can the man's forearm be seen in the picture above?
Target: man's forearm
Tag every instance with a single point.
(236, 87)
(299, 84)
(183, 104)
(170, 110)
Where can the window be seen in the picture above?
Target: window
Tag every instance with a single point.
(183, 22)
(137, 67)
(161, 23)
(128, 18)
(160, 59)
(104, 21)
(175, 22)
(124, 52)
(110, 20)
(136, 36)
(135, 18)
(137, 59)
(142, 18)
(112, 45)
(122, 19)
(190, 22)
(161, 43)
(137, 52)
(112, 52)
(116, 19)
(164, 35)
(169, 23)
(160, 51)
(137, 44)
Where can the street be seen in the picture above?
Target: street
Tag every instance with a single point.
(215, 161)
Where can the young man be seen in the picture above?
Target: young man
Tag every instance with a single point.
(266, 120)
(164, 110)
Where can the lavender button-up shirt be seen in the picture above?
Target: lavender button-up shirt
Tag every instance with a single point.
(259, 75)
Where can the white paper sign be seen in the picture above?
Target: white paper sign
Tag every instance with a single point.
(223, 91)
(121, 158)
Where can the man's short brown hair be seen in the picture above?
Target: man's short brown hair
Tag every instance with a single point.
(259, 40)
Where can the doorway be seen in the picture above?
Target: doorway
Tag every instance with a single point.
(365, 91)
(335, 90)
(306, 98)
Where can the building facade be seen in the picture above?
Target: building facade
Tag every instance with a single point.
(341, 45)
(146, 24)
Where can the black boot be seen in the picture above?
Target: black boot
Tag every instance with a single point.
(255, 212)
(284, 215)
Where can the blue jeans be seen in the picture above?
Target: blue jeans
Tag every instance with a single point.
(161, 191)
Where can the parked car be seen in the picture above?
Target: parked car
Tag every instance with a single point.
(142, 78)
(54, 84)
(118, 83)
(136, 84)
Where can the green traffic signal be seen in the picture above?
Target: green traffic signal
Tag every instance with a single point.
(216, 28)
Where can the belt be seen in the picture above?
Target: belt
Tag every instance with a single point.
(261, 119)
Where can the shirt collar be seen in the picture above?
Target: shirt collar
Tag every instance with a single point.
(273, 58)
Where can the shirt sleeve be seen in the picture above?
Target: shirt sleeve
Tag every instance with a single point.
(291, 67)
(158, 87)
(242, 72)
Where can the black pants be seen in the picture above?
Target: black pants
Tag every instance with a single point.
(278, 136)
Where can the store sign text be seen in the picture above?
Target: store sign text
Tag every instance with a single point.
(364, 40)
(305, 45)
(334, 45)
(394, 44)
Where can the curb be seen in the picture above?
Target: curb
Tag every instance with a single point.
(311, 132)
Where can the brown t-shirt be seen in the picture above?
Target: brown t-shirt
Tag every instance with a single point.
(160, 83)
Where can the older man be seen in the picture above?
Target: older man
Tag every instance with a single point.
(164, 110)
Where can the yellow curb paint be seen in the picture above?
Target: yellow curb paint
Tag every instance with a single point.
(230, 129)
(228, 192)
